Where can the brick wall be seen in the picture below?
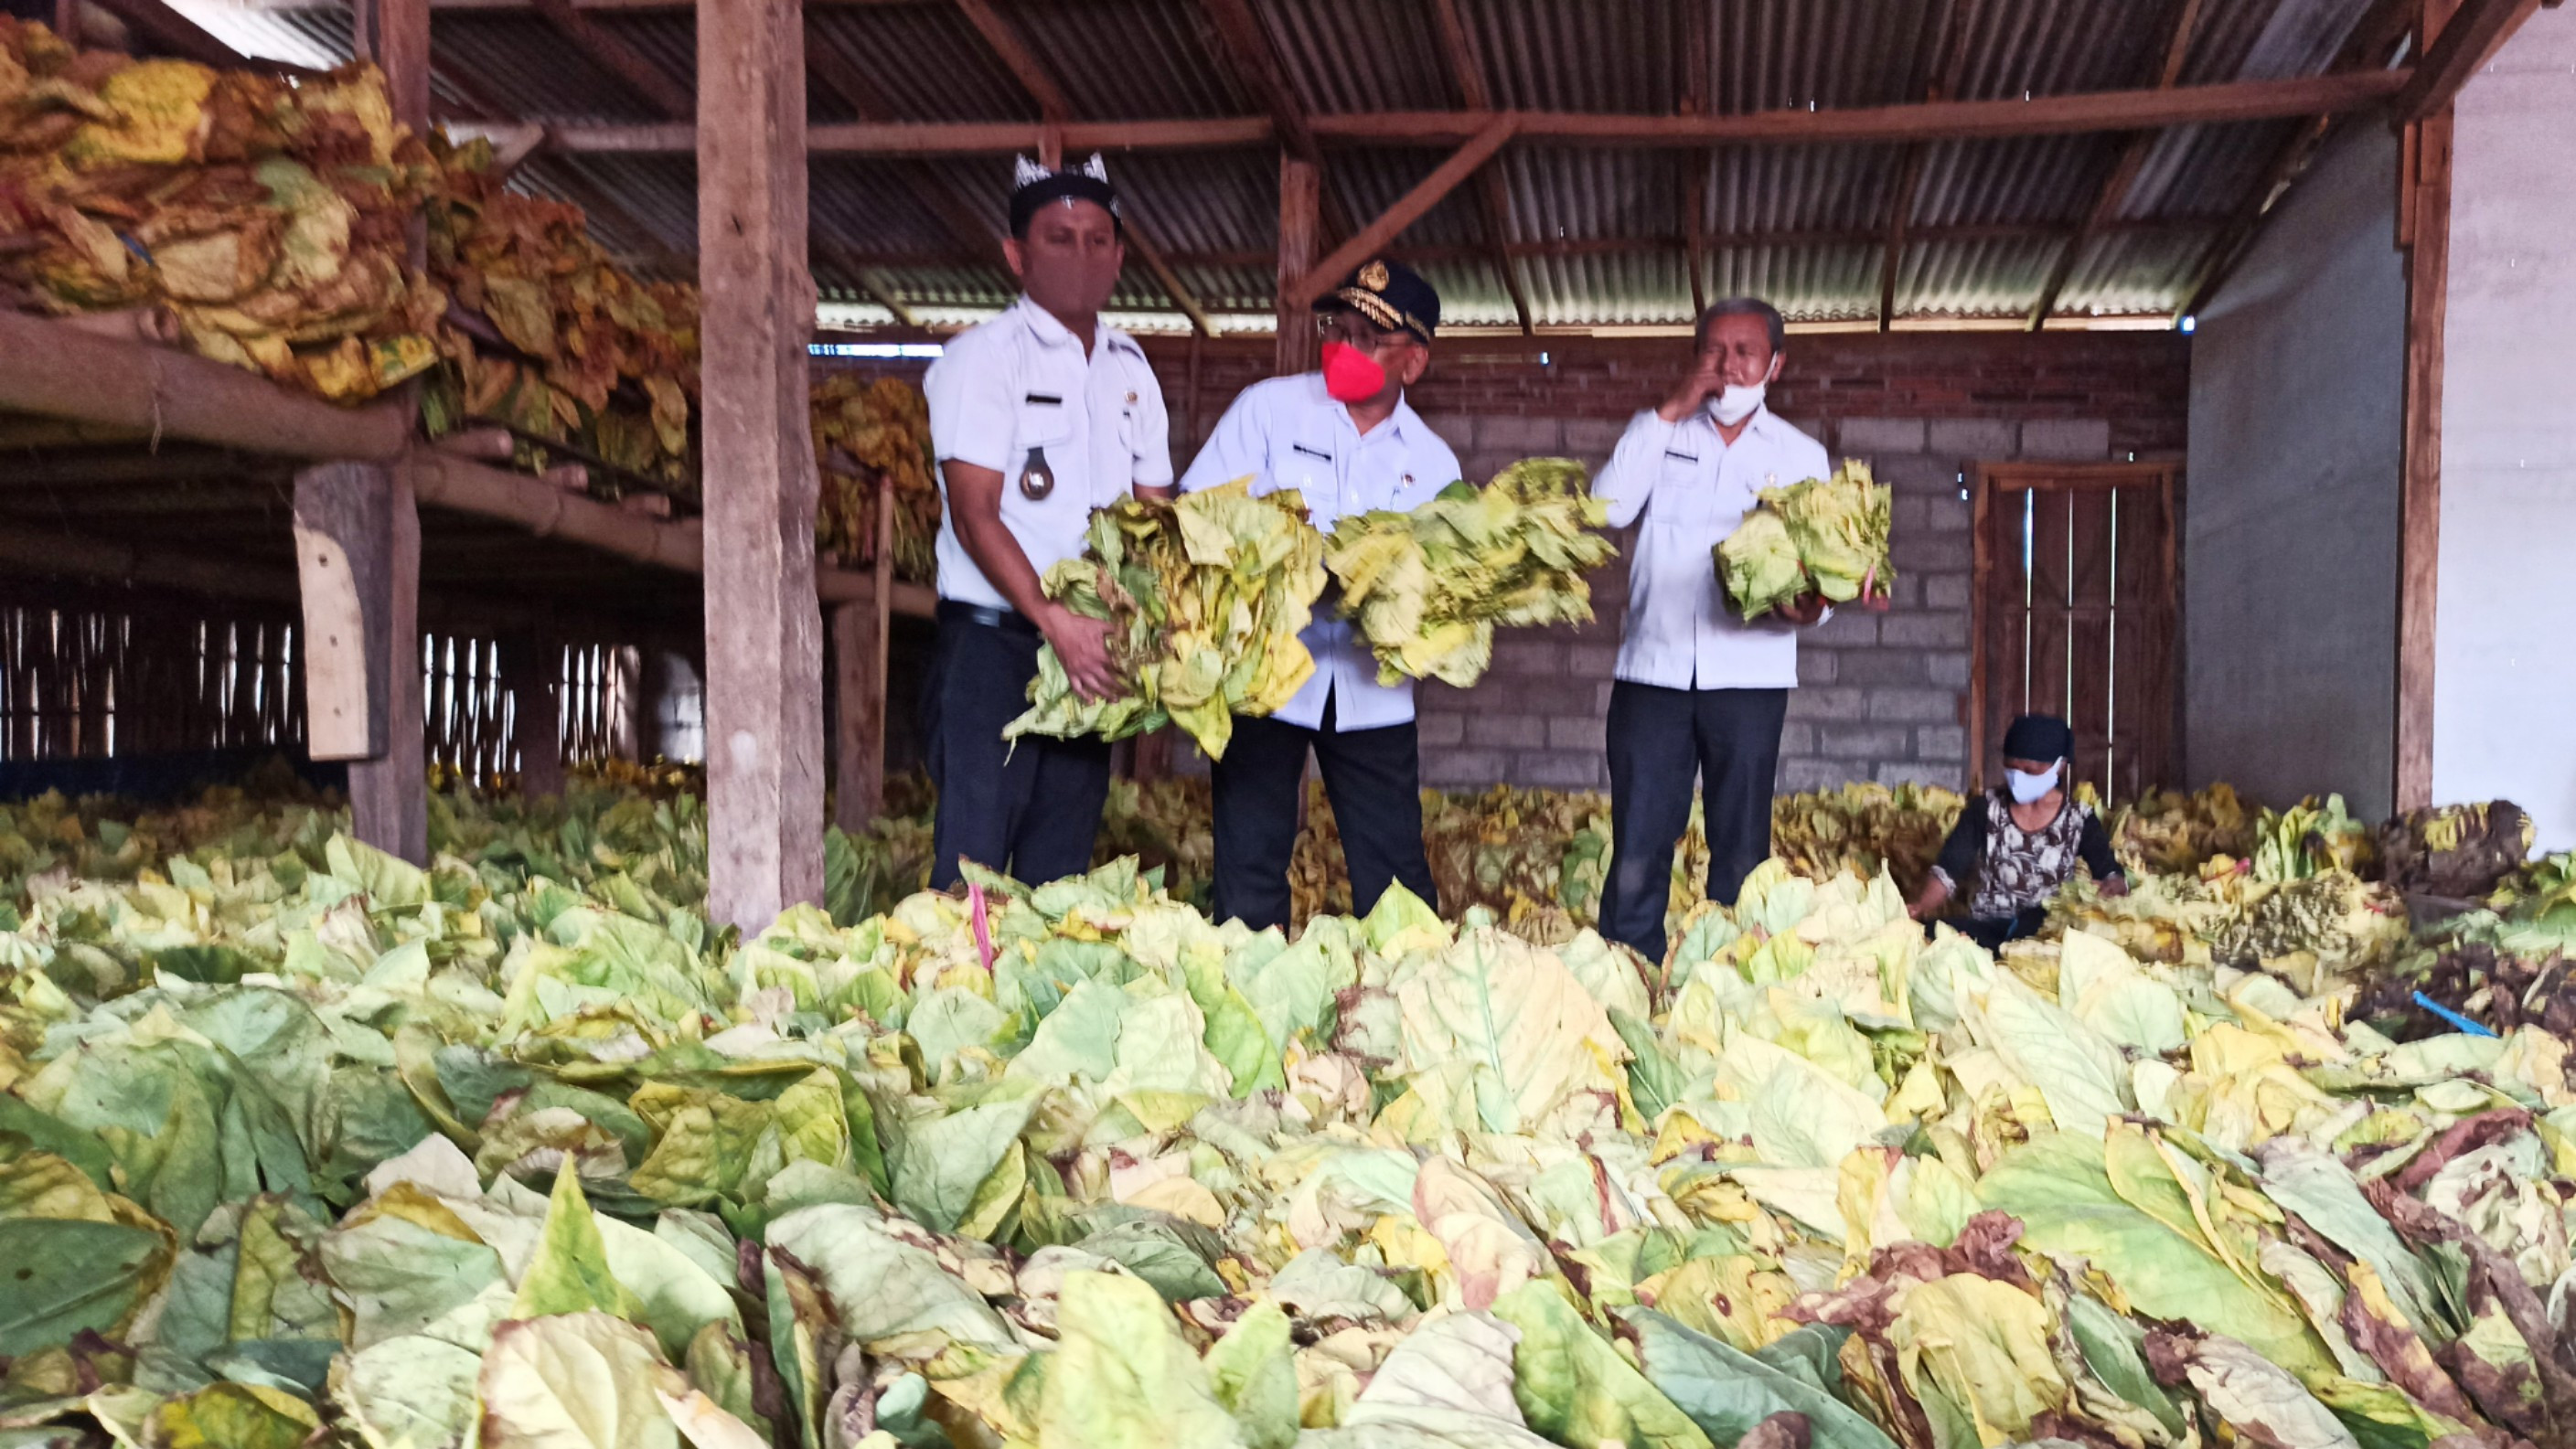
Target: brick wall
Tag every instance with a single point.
(1881, 696)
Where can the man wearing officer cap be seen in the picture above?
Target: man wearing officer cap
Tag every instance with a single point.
(1037, 417)
(1345, 439)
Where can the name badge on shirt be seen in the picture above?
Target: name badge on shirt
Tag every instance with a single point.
(1037, 480)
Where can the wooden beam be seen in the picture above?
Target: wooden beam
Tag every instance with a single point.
(62, 371)
(1493, 197)
(1600, 246)
(1246, 48)
(1937, 69)
(974, 232)
(357, 554)
(2374, 43)
(1017, 57)
(1033, 76)
(1696, 60)
(397, 32)
(2074, 113)
(1408, 209)
(1173, 287)
(2471, 35)
(2428, 264)
(2114, 190)
(31, 549)
(611, 52)
(1930, 121)
(764, 679)
(1299, 185)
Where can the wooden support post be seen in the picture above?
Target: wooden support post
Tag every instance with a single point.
(1300, 187)
(2425, 209)
(357, 554)
(532, 670)
(764, 681)
(861, 630)
(396, 36)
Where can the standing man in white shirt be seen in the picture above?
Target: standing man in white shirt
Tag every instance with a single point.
(1037, 416)
(1699, 691)
(1344, 438)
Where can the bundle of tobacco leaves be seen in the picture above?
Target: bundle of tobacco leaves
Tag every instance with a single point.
(872, 444)
(1205, 596)
(267, 222)
(1429, 587)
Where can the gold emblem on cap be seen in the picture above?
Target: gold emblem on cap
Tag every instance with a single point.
(1374, 277)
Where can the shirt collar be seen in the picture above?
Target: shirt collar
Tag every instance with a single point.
(1400, 424)
(1043, 324)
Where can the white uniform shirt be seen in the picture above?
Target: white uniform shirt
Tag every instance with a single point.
(1692, 489)
(1022, 381)
(1289, 433)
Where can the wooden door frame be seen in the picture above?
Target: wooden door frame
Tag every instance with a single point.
(2021, 477)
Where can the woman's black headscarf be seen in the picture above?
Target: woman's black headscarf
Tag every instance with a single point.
(2039, 737)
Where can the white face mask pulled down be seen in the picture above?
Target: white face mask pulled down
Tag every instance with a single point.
(2027, 788)
(1735, 404)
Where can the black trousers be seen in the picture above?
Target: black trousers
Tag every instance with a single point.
(1374, 779)
(1030, 808)
(1659, 738)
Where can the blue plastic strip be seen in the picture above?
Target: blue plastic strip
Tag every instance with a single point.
(2454, 1018)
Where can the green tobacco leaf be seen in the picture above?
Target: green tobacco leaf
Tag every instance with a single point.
(575, 1381)
(2061, 1190)
(1252, 1374)
(570, 1272)
(1122, 1377)
(233, 1416)
(940, 1161)
(1574, 1388)
(1727, 1392)
(63, 1276)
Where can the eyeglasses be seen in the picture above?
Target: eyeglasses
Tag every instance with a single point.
(1358, 331)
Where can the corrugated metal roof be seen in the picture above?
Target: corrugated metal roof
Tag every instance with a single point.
(1358, 55)
(926, 61)
(1551, 55)
(1598, 231)
(1815, 283)
(1998, 278)
(2124, 274)
(1801, 188)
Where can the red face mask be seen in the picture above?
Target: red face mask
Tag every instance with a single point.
(1351, 375)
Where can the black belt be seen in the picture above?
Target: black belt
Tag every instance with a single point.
(1009, 621)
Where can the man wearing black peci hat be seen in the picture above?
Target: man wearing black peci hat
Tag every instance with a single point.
(1037, 416)
(1345, 439)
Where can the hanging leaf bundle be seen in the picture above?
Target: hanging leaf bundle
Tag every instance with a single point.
(548, 336)
(872, 444)
(265, 223)
(1428, 588)
(1825, 537)
(1205, 597)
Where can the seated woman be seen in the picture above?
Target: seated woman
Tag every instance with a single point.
(2021, 842)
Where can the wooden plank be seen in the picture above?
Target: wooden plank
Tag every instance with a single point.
(1408, 208)
(2464, 44)
(1985, 657)
(66, 372)
(398, 32)
(2428, 264)
(357, 536)
(1299, 187)
(2071, 113)
(1493, 196)
(764, 677)
(1937, 69)
(2074, 113)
